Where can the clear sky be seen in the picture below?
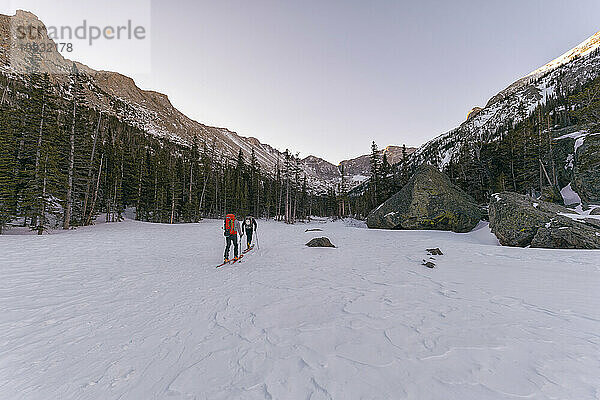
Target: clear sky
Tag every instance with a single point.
(325, 77)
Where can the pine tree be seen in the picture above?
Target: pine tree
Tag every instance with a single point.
(374, 182)
(7, 169)
(386, 178)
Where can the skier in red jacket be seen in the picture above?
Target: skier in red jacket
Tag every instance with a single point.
(232, 228)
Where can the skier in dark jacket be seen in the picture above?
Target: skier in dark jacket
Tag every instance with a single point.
(232, 228)
(249, 226)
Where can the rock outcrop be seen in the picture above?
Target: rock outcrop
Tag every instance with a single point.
(518, 220)
(586, 173)
(473, 113)
(428, 201)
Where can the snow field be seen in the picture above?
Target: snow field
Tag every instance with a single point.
(138, 311)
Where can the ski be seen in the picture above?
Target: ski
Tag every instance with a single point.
(248, 249)
(236, 259)
(230, 262)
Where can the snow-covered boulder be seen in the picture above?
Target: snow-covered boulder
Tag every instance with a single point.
(518, 220)
(586, 173)
(428, 201)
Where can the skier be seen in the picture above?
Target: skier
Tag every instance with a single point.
(249, 227)
(231, 228)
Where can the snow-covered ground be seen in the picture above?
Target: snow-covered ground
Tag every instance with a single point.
(138, 311)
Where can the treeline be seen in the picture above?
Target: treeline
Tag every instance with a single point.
(63, 163)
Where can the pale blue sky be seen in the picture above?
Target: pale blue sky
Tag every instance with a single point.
(327, 77)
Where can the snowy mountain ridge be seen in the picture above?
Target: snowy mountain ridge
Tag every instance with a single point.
(581, 50)
(150, 111)
(515, 103)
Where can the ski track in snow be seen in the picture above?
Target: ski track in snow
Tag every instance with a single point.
(138, 311)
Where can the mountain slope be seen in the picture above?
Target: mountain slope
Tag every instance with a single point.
(513, 104)
(150, 111)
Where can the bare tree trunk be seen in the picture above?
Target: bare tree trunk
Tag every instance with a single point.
(554, 178)
(172, 197)
(545, 172)
(114, 201)
(191, 181)
(155, 198)
(39, 144)
(202, 195)
(18, 166)
(278, 216)
(139, 196)
(108, 203)
(43, 208)
(512, 164)
(89, 220)
(349, 208)
(69, 199)
(37, 162)
(89, 177)
(295, 207)
(5, 89)
(287, 202)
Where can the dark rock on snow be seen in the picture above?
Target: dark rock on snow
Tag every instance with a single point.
(320, 242)
(518, 220)
(428, 264)
(435, 252)
(428, 201)
(314, 230)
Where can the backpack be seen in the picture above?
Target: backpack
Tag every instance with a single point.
(230, 225)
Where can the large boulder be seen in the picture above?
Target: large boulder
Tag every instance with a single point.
(586, 171)
(518, 220)
(428, 201)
